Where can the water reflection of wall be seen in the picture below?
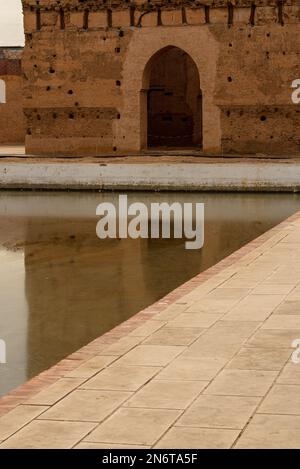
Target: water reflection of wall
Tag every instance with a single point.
(13, 319)
(77, 286)
(222, 237)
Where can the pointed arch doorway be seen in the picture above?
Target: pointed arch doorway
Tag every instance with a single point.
(173, 101)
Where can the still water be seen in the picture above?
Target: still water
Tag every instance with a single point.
(61, 286)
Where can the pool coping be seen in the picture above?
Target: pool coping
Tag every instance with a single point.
(159, 174)
(53, 374)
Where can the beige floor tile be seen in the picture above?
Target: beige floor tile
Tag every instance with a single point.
(282, 277)
(290, 374)
(291, 238)
(255, 274)
(122, 346)
(219, 412)
(215, 345)
(192, 369)
(288, 307)
(121, 378)
(174, 336)
(45, 434)
(271, 432)
(222, 293)
(211, 306)
(237, 282)
(195, 320)
(223, 340)
(254, 308)
(197, 438)
(147, 329)
(88, 445)
(87, 405)
(167, 394)
(282, 321)
(134, 426)
(56, 391)
(282, 399)
(198, 293)
(234, 329)
(241, 383)
(295, 294)
(171, 312)
(238, 314)
(260, 359)
(17, 418)
(204, 288)
(151, 355)
(273, 338)
(91, 367)
(270, 289)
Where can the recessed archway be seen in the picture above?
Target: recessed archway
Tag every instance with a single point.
(202, 47)
(172, 100)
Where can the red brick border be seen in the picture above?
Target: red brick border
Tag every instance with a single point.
(47, 377)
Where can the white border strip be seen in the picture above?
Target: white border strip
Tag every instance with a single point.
(205, 176)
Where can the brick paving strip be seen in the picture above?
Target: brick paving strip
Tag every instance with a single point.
(208, 366)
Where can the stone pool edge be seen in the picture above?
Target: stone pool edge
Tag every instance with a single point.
(248, 176)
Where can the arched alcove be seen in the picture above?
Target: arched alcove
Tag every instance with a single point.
(171, 100)
(202, 48)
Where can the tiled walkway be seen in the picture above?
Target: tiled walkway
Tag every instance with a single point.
(212, 370)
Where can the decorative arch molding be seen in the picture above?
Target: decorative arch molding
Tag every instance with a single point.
(202, 48)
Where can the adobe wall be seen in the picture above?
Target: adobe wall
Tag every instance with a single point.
(85, 70)
(12, 129)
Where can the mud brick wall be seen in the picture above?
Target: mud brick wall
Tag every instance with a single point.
(12, 129)
(87, 73)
